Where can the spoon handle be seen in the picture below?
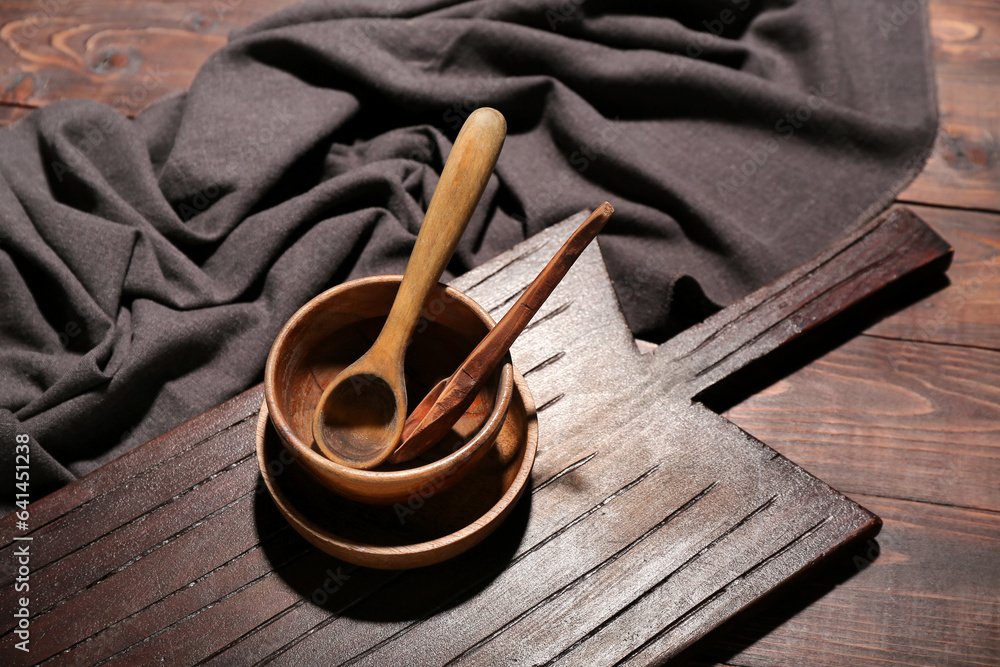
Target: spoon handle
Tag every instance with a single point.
(497, 342)
(465, 175)
(436, 414)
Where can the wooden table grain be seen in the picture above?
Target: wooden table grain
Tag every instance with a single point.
(908, 412)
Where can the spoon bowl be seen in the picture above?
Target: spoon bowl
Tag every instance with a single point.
(357, 415)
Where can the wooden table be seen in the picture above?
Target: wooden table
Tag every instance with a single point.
(904, 418)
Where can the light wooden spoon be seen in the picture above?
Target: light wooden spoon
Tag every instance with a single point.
(444, 404)
(359, 418)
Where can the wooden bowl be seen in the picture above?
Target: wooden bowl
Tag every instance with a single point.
(338, 326)
(421, 530)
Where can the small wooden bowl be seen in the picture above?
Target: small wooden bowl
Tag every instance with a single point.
(422, 530)
(338, 326)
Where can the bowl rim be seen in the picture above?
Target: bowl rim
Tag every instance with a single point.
(441, 468)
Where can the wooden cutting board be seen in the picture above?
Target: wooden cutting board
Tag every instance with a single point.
(650, 518)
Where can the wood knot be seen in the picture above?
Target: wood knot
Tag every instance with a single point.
(17, 86)
(198, 22)
(964, 152)
(109, 61)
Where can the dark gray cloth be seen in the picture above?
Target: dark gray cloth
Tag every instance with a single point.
(147, 265)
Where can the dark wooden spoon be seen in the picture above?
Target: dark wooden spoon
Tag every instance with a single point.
(447, 400)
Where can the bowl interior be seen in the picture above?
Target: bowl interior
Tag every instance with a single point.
(340, 326)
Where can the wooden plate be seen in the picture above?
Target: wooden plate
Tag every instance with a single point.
(427, 528)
